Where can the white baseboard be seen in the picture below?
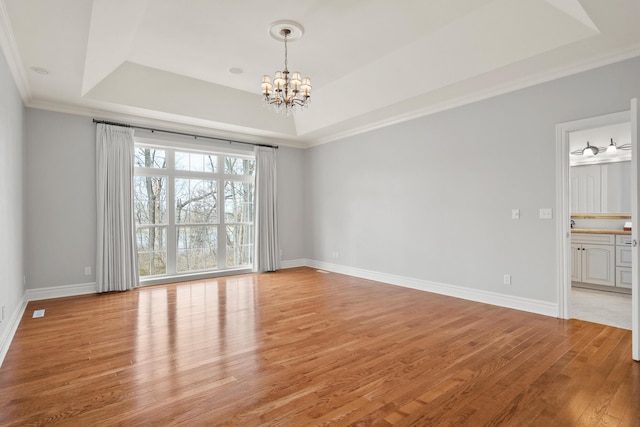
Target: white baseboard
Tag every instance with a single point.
(293, 263)
(508, 301)
(493, 298)
(61, 291)
(11, 327)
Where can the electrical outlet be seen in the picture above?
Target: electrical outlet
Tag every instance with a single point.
(515, 213)
(507, 279)
(87, 271)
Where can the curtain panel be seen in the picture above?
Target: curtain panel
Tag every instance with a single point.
(267, 250)
(116, 264)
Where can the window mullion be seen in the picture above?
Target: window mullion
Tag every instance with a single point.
(171, 226)
(222, 231)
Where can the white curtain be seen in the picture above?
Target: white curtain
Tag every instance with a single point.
(267, 253)
(116, 264)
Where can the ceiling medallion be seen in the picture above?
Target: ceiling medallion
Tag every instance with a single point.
(287, 92)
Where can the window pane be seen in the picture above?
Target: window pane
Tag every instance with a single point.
(196, 162)
(192, 179)
(239, 245)
(152, 250)
(196, 201)
(238, 202)
(239, 166)
(196, 248)
(150, 158)
(150, 199)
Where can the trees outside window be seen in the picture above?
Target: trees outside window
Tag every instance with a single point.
(201, 232)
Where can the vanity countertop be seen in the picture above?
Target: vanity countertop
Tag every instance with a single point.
(599, 231)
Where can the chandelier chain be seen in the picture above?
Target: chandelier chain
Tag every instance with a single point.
(286, 56)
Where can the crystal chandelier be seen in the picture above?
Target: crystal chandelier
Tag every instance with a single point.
(288, 92)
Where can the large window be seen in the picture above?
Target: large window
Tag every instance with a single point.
(194, 211)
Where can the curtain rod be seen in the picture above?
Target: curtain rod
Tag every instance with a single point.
(183, 134)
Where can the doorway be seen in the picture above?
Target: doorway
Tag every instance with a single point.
(563, 225)
(588, 203)
(600, 203)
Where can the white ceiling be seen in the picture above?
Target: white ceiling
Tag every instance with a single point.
(165, 63)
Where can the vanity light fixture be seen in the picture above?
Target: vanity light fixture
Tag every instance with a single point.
(590, 150)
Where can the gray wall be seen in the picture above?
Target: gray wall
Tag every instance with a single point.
(61, 201)
(428, 199)
(290, 199)
(12, 143)
(431, 199)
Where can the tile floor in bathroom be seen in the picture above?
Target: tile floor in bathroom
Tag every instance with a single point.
(607, 308)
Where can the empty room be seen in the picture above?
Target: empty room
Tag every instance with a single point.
(429, 212)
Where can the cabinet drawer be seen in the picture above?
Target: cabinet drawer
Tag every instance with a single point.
(593, 239)
(623, 239)
(623, 277)
(623, 256)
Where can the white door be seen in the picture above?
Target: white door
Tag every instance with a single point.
(635, 211)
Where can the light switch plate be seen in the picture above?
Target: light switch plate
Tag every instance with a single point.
(515, 213)
(546, 213)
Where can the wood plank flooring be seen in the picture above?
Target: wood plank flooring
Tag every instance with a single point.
(299, 347)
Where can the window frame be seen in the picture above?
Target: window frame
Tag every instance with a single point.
(171, 173)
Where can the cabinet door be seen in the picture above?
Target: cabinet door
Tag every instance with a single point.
(623, 256)
(623, 277)
(598, 265)
(576, 263)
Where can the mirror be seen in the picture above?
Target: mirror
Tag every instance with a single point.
(601, 183)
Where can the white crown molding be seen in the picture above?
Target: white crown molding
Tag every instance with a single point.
(14, 61)
(586, 65)
(138, 120)
(300, 141)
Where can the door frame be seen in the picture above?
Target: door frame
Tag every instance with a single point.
(635, 226)
(563, 201)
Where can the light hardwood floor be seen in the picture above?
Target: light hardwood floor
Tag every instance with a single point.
(299, 348)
